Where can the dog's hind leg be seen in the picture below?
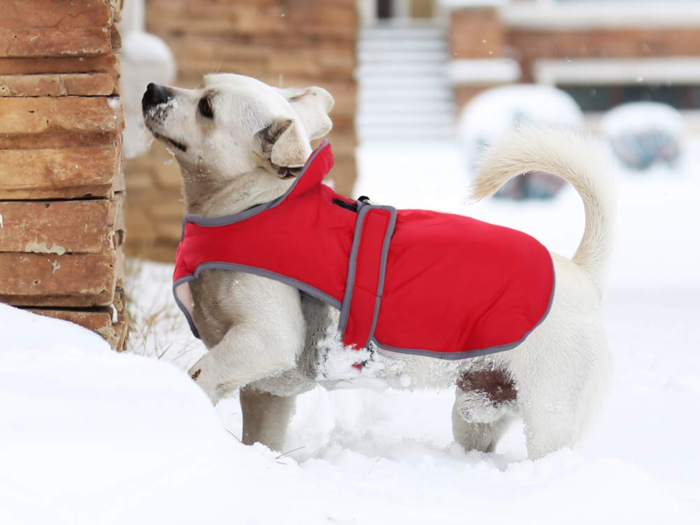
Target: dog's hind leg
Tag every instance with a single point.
(484, 408)
(265, 417)
(561, 374)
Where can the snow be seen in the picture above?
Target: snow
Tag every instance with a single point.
(90, 436)
(495, 112)
(145, 58)
(461, 4)
(579, 15)
(144, 48)
(617, 71)
(646, 135)
(640, 117)
(484, 71)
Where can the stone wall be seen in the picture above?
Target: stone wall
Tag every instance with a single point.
(281, 42)
(61, 189)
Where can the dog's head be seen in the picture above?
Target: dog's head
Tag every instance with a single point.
(236, 124)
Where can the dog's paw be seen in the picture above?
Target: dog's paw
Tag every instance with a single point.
(477, 407)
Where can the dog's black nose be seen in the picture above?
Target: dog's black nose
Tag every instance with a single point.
(155, 95)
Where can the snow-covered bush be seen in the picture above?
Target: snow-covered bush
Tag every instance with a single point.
(645, 134)
(495, 112)
(145, 58)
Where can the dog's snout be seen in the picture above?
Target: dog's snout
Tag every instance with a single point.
(155, 95)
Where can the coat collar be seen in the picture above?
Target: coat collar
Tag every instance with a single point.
(317, 166)
(314, 171)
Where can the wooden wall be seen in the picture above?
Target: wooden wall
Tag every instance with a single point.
(61, 188)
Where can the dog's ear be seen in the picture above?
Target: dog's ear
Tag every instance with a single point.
(284, 143)
(312, 104)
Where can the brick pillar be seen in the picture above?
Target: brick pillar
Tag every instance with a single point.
(281, 42)
(476, 33)
(61, 188)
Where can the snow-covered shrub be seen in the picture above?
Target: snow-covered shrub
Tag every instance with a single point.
(645, 134)
(493, 113)
(145, 58)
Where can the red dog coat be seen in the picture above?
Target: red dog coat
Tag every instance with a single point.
(411, 281)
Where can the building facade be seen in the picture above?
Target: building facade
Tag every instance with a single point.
(603, 52)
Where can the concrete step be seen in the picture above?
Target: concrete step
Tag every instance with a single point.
(380, 32)
(409, 94)
(397, 82)
(389, 46)
(390, 134)
(405, 69)
(402, 56)
(445, 106)
(406, 119)
(404, 89)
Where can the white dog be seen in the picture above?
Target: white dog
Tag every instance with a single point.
(240, 142)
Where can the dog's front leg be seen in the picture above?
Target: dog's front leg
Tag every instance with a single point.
(266, 417)
(265, 342)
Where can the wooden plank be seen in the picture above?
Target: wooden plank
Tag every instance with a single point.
(54, 13)
(58, 173)
(99, 320)
(32, 116)
(41, 65)
(60, 140)
(30, 86)
(90, 84)
(58, 227)
(42, 42)
(33, 279)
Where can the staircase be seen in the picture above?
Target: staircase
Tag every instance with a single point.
(404, 90)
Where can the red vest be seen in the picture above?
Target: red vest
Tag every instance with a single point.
(411, 281)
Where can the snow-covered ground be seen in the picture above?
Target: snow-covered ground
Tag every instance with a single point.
(88, 436)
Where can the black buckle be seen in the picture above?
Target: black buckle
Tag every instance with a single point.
(352, 206)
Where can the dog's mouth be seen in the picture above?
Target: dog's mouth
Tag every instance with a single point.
(288, 173)
(175, 143)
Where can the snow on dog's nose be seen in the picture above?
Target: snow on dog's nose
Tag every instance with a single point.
(154, 96)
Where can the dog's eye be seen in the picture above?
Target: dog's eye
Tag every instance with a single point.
(205, 108)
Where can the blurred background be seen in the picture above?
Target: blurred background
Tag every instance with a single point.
(411, 76)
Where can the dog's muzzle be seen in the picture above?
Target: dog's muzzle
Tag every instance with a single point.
(155, 95)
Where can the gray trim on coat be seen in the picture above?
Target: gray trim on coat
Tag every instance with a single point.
(382, 268)
(468, 354)
(183, 309)
(362, 210)
(225, 220)
(217, 265)
(350, 280)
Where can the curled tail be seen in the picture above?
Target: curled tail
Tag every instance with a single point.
(572, 157)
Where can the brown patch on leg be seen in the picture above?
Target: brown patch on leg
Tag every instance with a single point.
(497, 385)
(196, 374)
